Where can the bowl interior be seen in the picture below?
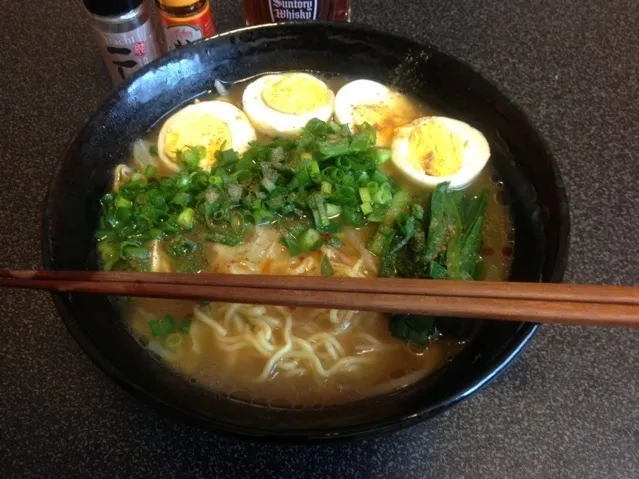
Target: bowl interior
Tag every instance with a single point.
(85, 174)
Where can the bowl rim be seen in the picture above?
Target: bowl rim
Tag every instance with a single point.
(510, 351)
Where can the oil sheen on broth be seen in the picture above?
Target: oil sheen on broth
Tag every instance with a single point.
(298, 357)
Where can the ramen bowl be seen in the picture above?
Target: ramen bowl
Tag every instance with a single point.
(531, 182)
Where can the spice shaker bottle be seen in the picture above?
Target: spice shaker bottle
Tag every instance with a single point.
(184, 21)
(125, 33)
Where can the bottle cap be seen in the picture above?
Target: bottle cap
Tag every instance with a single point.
(176, 3)
(111, 7)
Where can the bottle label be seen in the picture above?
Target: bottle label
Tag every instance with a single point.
(179, 31)
(125, 53)
(283, 10)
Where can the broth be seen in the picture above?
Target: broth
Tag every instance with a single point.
(298, 357)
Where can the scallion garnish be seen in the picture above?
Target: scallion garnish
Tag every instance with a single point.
(162, 326)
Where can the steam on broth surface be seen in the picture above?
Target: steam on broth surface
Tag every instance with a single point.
(297, 356)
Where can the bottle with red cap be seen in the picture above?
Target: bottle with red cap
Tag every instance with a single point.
(125, 33)
(184, 21)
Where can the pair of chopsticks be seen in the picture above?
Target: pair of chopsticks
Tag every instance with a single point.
(511, 301)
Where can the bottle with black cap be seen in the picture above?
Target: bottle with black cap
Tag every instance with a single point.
(126, 34)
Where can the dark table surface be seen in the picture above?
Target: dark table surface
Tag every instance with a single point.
(568, 407)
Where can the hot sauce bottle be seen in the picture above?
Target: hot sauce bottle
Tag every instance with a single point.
(184, 21)
(268, 11)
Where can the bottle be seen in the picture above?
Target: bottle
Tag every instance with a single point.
(184, 21)
(267, 11)
(125, 33)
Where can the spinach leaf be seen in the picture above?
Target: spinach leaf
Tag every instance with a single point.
(417, 330)
(437, 230)
(471, 241)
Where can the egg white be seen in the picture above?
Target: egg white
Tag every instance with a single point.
(275, 123)
(240, 128)
(475, 153)
(368, 93)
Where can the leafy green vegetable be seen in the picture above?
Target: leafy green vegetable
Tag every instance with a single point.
(420, 330)
(417, 330)
(439, 229)
(454, 233)
(449, 250)
(471, 241)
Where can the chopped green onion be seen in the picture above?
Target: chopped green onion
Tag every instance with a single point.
(314, 171)
(400, 201)
(268, 184)
(109, 254)
(162, 326)
(380, 177)
(262, 217)
(185, 327)
(335, 242)
(153, 150)
(186, 218)
(326, 267)
(326, 188)
(330, 149)
(238, 225)
(309, 240)
(334, 127)
(137, 177)
(277, 155)
(382, 237)
(437, 271)
(344, 163)
(290, 241)
(365, 195)
(383, 197)
(150, 171)
(226, 158)
(332, 210)
(173, 341)
(382, 155)
(377, 215)
(182, 199)
(136, 252)
(373, 187)
(306, 156)
(366, 208)
(316, 204)
(121, 202)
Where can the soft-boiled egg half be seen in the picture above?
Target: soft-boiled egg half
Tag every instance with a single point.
(282, 104)
(436, 149)
(214, 125)
(366, 101)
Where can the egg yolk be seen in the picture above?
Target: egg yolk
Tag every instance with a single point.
(434, 149)
(384, 118)
(295, 94)
(198, 130)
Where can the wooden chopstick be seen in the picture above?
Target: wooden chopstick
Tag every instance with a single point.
(538, 302)
(483, 289)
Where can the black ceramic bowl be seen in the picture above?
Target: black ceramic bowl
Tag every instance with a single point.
(85, 174)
